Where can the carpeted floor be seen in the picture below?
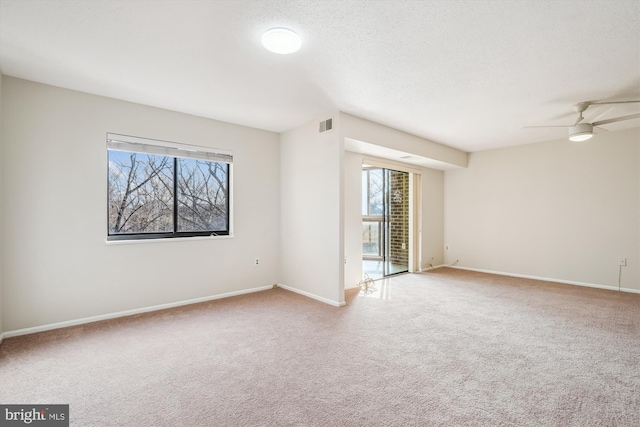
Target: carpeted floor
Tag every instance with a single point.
(443, 348)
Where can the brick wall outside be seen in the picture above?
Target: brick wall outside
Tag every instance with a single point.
(399, 217)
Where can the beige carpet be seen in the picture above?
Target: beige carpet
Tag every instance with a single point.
(444, 348)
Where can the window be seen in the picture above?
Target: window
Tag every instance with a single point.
(372, 208)
(158, 189)
(372, 191)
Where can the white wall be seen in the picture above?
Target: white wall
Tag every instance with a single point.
(432, 218)
(352, 219)
(1, 209)
(311, 249)
(560, 210)
(57, 266)
(374, 133)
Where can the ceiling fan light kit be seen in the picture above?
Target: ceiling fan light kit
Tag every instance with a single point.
(581, 132)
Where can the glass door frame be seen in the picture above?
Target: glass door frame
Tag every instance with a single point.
(382, 218)
(388, 200)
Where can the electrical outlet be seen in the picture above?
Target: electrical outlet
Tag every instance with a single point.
(257, 261)
(622, 262)
(446, 248)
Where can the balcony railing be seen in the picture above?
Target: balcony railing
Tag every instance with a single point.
(372, 237)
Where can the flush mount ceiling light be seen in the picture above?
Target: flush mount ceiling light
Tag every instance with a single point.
(281, 40)
(581, 132)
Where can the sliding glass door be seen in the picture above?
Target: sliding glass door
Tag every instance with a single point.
(385, 221)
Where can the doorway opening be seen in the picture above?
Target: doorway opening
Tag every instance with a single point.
(385, 221)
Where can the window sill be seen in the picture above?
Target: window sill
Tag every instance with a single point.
(174, 239)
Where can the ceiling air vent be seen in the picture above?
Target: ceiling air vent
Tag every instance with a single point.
(326, 125)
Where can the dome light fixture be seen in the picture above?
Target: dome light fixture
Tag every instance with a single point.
(581, 132)
(281, 40)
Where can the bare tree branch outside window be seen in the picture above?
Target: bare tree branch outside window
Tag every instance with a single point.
(202, 195)
(142, 200)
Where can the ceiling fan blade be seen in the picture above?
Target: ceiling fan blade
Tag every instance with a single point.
(617, 119)
(609, 102)
(599, 129)
(579, 119)
(560, 126)
(598, 113)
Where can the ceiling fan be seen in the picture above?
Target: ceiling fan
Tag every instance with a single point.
(580, 131)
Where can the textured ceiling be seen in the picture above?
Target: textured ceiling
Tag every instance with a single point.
(466, 74)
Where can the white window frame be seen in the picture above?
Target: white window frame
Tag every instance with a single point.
(136, 144)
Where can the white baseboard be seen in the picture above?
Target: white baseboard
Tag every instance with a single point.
(548, 279)
(313, 296)
(432, 268)
(124, 313)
